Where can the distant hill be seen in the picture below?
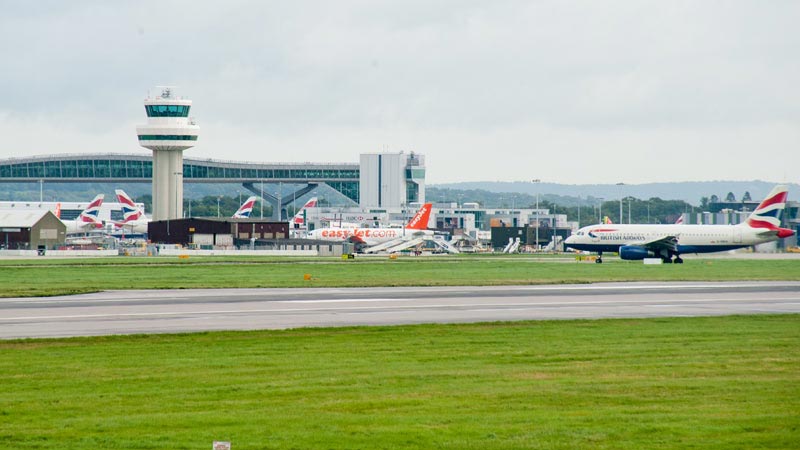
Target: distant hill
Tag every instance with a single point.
(587, 194)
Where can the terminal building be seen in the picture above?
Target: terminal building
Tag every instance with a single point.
(388, 185)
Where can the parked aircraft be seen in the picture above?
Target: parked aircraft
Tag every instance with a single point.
(88, 219)
(417, 226)
(133, 218)
(298, 222)
(640, 241)
(299, 219)
(247, 207)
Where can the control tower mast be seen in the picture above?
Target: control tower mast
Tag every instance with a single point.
(169, 131)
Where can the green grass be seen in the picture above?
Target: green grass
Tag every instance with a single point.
(54, 277)
(710, 383)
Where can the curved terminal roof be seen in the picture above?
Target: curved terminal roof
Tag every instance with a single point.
(108, 167)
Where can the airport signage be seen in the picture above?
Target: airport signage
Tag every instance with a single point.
(221, 445)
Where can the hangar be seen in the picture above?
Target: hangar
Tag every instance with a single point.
(31, 229)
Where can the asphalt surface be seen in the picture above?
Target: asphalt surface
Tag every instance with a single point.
(174, 311)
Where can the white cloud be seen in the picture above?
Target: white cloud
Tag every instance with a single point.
(573, 91)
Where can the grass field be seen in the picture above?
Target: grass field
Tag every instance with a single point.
(711, 383)
(37, 277)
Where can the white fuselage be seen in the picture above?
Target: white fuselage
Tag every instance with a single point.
(79, 226)
(691, 238)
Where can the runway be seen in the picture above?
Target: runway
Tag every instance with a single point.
(175, 311)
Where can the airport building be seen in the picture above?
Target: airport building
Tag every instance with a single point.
(262, 179)
(30, 230)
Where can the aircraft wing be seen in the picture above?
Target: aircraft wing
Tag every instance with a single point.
(666, 242)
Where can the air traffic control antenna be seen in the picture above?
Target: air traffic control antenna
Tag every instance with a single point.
(168, 132)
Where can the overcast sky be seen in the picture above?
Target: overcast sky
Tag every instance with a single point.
(564, 91)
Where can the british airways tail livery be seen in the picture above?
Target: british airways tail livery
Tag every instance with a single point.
(418, 225)
(88, 219)
(247, 207)
(133, 218)
(299, 220)
(640, 241)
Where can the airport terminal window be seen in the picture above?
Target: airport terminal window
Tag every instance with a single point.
(167, 110)
(102, 168)
(216, 172)
(85, 169)
(36, 169)
(19, 170)
(166, 137)
(265, 173)
(52, 169)
(69, 169)
(249, 173)
(281, 173)
(5, 171)
(233, 172)
(147, 168)
(135, 169)
(118, 169)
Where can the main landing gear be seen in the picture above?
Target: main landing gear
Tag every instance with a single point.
(599, 259)
(668, 259)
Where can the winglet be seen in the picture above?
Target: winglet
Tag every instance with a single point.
(420, 219)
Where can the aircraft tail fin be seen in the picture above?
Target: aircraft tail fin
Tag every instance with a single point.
(130, 212)
(420, 219)
(91, 215)
(768, 213)
(247, 207)
(299, 218)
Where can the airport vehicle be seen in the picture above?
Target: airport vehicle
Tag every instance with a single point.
(88, 219)
(133, 218)
(640, 241)
(416, 227)
(247, 207)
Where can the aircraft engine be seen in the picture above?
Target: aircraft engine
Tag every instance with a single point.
(633, 252)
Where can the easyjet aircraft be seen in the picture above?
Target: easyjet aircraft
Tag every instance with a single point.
(418, 225)
(639, 241)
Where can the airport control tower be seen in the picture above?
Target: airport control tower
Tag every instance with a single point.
(169, 131)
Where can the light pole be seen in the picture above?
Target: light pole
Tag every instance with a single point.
(41, 190)
(261, 201)
(218, 198)
(600, 210)
(620, 201)
(629, 210)
(178, 205)
(537, 181)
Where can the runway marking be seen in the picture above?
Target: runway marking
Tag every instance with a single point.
(467, 306)
(432, 290)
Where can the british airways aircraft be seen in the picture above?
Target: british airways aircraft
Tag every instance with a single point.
(247, 207)
(640, 241)
(88, 219)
